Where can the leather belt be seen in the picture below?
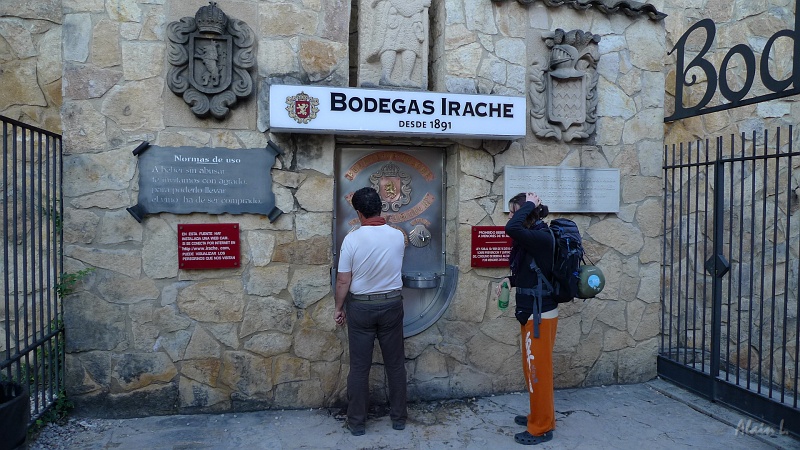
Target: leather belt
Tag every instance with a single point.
(373, 297)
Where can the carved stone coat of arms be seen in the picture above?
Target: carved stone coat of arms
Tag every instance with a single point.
(210, 54)
(564, 90)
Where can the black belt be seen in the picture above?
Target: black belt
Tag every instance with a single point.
(373, 297)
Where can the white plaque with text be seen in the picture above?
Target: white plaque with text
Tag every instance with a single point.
(566, 189)
(337, 110)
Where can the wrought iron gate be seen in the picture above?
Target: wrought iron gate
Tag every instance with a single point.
(731, 274)
(31, 332)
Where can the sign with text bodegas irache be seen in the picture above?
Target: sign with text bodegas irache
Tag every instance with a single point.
(185, 180)
(332, 110)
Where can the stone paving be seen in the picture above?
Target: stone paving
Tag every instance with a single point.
(652, 415)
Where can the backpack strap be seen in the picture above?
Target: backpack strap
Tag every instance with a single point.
(555, 249)
(540, 275)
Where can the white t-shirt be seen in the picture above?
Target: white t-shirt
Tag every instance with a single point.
(374, 256)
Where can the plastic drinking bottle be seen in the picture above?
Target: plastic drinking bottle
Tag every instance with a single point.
(502, 301)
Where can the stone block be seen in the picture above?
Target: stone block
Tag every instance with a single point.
(309, 284)
(155, 399)
(134, 371)
(614, 233)
(311, 224)
(202, 345)
(638, 364)
(469, 302)
(88, 173)
(317, 345)
(261, 245)
(93, 324)
(77, 34)
(316, 194)
(287, 368)
(268, 314)
(316, 153)
(489, 355)
(142, 60)
(215, 301)
(173, 343)
(196, 397)
(315, 251)
(117, 227)
(136, 106)
(84, 82)
(269, 280)
(205, 371)
(247, 374)
(159, 249)
(80, 226)
(269, 344)
(299, 394)
(430, 365)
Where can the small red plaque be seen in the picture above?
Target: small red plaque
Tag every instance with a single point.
(208, 246)
(491, 247)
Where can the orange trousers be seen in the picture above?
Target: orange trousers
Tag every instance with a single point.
(537, 365)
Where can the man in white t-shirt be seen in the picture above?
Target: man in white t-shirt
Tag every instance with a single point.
(368, 298)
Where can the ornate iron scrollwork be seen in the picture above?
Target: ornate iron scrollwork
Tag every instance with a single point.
(210, 54)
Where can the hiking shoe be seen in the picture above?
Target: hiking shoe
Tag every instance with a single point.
(355, 431)
(521, 420)
(399, 424)
(526, 438)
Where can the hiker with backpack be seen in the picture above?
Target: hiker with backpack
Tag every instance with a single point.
(536, 310)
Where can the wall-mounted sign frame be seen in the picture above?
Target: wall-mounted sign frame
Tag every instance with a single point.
(332, 110)
(566, 189)
(184, 180)
(208, 246)
(491, 246)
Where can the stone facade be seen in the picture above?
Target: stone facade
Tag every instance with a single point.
(145, 337)
(30, 62)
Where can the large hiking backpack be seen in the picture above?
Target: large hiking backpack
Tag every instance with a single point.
(570, 277)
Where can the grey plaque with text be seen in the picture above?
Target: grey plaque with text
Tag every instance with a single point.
(184, 180)
(566, 189)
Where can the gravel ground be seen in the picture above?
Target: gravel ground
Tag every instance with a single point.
(75, 433)
(69, 434)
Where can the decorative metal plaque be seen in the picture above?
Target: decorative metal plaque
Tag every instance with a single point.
(566, 189)
(184, 180)
(564, 91)
(210, 54)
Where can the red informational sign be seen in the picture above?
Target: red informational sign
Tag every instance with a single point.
(208, 246)
(490, 247)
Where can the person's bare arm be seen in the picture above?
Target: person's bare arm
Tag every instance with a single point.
(343, 280)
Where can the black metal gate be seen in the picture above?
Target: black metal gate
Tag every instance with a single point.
(31, 332)
(731, 274)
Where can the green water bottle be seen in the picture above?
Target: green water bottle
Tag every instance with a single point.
(502, 301)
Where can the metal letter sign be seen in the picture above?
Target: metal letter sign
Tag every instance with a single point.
(779, 88)
(185, 180)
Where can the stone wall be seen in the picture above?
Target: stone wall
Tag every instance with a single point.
(491, 48)
(30, 62)
(144, 337)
